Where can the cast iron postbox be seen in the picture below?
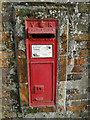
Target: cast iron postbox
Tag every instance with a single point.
(41, 47)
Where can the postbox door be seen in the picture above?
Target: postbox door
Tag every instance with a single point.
(42, 82)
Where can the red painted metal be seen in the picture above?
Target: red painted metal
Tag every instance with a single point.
(42, 68)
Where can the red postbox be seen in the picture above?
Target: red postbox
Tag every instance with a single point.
(41, 47)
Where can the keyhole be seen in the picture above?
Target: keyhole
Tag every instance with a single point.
(39, 88)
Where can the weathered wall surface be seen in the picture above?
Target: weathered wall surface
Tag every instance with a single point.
(8, 62)
(73, 59)
(78, 65)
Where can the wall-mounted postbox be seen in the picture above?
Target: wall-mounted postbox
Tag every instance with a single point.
(41, 47)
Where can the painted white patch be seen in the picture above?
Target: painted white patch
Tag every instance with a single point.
(41, 51)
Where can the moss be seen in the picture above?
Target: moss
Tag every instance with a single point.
(84, 8)
(5, 4)
(30, 110)
(39, 12)
(13, 94)
(23, 12)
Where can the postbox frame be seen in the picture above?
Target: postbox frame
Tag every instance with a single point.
(52, 60)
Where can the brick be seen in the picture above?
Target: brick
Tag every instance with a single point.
(6, 55)
(65, 31)
(5, 5)
(7, 76)
(48, 109)
(75, 103)
(88, 60)
(6, 94)
(63, 41)
(83, 44)
(62, 72)
(88, 45)
(77, 97)
(88, 89)
(76, 108)
(30, 110)
(5, 101)
(5, 80)
(78, 103)
(78, 69)
(18, 38)
(84, 36)
(7, 87)
(89, 75)
(11, 62)
(60, 96)
(83, 8)
(9, 114)
(21, 54)
(0, 94)
(72, 91)
(22, 70)
(7, 63)
(0, 20)
(7, 108)
(0, 37)
(61, 108)
(0, 73)
(5, 37)
(88, 108)
(63, 48)
(79, 61)
(69, 61)
(3, 63)
(84, 53)
(88, 102)
(24, 95)
(7, 16)
(63, 38)
(88, 114)
(1, 54)
(75, 115)
(88, 67)
(84, 114)
(2, 46)
(82, 27)
(7, 26)
(14, 95)
(71, 8)
(5, 71)
(1, 28)
(74, 77)
(10, 45)
(0, 102)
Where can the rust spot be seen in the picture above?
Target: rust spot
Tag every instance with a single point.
(51, 109)
(84, 36)
(61, 108)
(78, 69)
(76, 108)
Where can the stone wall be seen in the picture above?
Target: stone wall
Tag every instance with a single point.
(78, 65)
(73, 59)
